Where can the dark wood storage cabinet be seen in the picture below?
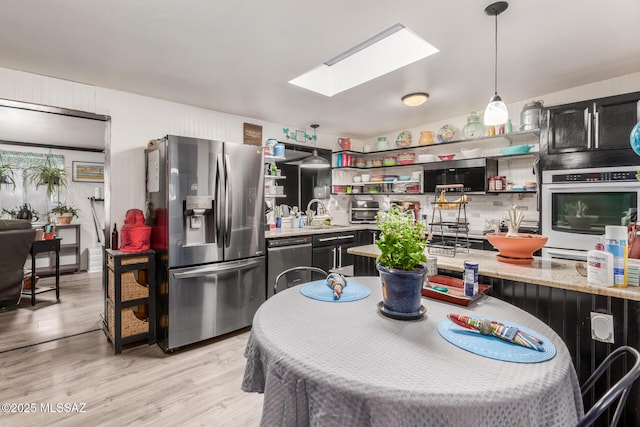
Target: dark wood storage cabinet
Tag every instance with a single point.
(595, 132)
(129, 297)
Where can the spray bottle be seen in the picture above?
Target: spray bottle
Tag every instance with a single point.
(615, 242)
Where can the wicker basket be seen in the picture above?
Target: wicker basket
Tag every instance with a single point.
(128, 260)
(130, 324)
(130, 288)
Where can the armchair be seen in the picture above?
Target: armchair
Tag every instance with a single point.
(16, 237)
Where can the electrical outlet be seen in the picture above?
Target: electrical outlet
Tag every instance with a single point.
(602, 327)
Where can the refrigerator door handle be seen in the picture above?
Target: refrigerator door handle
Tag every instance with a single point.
(218, 192)
(238, 265)
(228, 194)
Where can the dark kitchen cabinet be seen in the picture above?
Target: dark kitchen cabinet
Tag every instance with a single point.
(595, 133)
(330, 252)
(368, 237)
(365, 266)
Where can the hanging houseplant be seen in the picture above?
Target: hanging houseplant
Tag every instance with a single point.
(401, 265)
(48, 174)
(6, 173)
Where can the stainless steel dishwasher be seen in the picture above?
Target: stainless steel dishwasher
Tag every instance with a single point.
(286, 253)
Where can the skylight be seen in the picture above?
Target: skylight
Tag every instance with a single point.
(383, 53)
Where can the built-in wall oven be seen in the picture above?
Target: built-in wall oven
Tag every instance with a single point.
(577, 204)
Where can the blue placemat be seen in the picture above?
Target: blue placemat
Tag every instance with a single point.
(320, 291)
(493, 347)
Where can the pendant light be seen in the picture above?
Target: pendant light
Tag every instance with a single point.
(496, 112)
(315, 161)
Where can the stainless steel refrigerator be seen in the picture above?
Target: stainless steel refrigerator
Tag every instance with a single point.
(205, 205)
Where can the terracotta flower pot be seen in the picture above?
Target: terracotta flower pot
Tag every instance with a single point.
(65, 218)
(402, 289)
(516, 250)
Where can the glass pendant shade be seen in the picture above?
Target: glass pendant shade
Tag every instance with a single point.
(634, 138)
(315, 162)
(496, 112)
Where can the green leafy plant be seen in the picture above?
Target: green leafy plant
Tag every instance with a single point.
(402, 240)
(48, 174)
(62, 208)
(13, 213)
(6, 173)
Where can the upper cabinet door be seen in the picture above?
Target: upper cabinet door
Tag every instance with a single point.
(568, 128)
(613, 120)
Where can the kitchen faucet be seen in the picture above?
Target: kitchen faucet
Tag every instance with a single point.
(322, 209)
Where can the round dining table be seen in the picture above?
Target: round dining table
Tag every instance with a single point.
(326, 363)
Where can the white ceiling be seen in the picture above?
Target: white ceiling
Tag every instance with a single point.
(237, 56)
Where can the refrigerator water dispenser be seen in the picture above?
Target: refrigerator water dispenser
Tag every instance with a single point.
(198, 220)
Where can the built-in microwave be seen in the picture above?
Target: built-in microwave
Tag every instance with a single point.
(577, 205)
(472, 173)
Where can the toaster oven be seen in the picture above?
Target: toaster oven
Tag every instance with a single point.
(363, 211)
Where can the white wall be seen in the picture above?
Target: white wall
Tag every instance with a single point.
(623, 84)
(135, 120)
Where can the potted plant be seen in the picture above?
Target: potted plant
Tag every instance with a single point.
(11, 213)
(401, 265)
(64, 212)
(6, 173)
(49, 174)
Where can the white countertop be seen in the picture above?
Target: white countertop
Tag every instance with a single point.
(554, 273)
(307, 231)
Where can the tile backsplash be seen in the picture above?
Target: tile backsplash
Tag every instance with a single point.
(481, 209)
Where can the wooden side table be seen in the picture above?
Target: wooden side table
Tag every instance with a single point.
(39, 246)
(129, 293)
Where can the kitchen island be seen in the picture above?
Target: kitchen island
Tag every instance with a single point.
(555, 293)
(554, 273)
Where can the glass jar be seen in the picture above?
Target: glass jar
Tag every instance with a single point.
(492, 183)
(382, 143)
(474, 127)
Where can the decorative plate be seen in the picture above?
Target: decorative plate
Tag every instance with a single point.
(446, 133)
(404, 139)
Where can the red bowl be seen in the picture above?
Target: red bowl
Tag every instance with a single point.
(447, 157)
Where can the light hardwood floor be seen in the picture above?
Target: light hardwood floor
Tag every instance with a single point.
(76, 312)
(195, 386)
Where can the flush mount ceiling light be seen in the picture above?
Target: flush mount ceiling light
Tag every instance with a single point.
(383, 53)
(496, 112)
(315, 161)
(415, 99)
